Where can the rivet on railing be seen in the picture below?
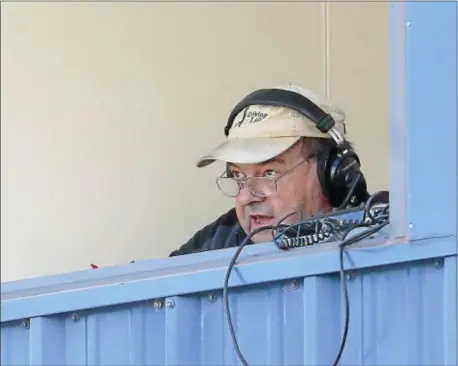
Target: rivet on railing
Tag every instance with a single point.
(170, 303)
(212, 297)
(157, 304)
(292, 285)
(75, 317)
(350, 276)
(438, 263)
(26, 323)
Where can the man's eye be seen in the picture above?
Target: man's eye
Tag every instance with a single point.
(270, 173)
(237, 175)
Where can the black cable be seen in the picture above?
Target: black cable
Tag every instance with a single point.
(379, 221)
(360, 236)
(311, 221)
(383, 197)
(225, 288)
(280, 222)
(350, 192)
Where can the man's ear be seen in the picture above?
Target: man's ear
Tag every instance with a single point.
(314, 175)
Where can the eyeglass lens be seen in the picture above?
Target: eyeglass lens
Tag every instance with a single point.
(258, 186)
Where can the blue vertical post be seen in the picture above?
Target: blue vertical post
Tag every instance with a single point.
(423, 118)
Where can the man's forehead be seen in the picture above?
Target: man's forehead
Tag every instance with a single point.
(280, 159)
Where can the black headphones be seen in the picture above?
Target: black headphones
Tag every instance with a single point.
(338, 166)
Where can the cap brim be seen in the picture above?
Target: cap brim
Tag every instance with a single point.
(248, 150)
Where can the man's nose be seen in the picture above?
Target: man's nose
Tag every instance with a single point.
(246, 196)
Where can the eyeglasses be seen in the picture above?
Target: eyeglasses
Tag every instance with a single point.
(258, 186)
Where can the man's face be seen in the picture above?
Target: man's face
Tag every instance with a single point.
(298, 190)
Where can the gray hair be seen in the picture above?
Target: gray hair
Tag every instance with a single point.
(317, 146)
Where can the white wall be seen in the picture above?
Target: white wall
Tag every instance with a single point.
(105, 108)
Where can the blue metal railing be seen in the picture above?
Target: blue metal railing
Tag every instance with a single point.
(286, 309)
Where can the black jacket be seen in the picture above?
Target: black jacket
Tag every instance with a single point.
(224, 232)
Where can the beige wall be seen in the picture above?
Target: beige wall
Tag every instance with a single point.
(106, 107)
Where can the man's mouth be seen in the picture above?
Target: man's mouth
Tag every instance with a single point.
(260, 220)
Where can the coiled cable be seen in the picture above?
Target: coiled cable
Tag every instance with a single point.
(303, 241)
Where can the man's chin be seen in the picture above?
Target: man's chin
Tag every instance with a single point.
(262, 237)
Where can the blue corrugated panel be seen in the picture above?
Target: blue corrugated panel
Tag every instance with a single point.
(401, 313)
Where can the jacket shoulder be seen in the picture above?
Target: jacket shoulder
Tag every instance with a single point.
(219, 234)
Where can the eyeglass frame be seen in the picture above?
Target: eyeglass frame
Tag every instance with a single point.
(275, 180)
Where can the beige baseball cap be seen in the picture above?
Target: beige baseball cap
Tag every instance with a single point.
(261, 132)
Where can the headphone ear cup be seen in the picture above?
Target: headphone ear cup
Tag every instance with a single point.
(336, 173)
(343, 170)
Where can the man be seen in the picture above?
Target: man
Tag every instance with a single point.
(274, 168)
